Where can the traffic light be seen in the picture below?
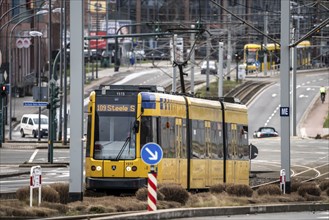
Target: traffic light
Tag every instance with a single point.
(157, 29)
(198, 25)
(55, 98)
(4, 90)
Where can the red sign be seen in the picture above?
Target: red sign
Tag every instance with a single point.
(100, 43)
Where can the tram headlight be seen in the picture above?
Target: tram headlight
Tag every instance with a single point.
(134, 168)
(128, 168)
(94, 168)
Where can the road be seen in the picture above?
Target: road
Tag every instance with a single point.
(280, 215)
(264, 110)
(260, 109)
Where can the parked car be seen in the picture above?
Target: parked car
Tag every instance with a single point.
(263, 132)
(212, 67)
(30, 125)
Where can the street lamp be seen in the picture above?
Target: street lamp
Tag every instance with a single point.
(10, 66)
(38, 35)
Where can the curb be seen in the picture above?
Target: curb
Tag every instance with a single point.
(212, 211)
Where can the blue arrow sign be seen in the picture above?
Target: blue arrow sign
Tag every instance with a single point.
(35, 104)
(151, 153)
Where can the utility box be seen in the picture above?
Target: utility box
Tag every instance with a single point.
(242, 71)
(36, 93)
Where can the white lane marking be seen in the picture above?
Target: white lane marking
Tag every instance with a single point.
(272, 115)
(33, 155)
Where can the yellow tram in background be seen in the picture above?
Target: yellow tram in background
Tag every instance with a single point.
(253, 56)
(204, 142)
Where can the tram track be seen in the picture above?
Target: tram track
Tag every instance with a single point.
(299, 173)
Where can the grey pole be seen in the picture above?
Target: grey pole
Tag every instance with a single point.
(294, 72)
(50, 77)
(76, 67)
(229, 48)
(38, 35)
(65, 77)
(265, 42)
(220, 69)
(207, 71)
(60, 122)
(285, 87)
(174, 39)
(293, 94)
(192, 59)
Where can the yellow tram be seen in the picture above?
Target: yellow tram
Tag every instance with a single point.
(204, 142)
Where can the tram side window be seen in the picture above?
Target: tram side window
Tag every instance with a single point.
(216, 146)
(168, 137)
(146, 130)
(184, 144)
(198, 139)
(230, 144)
(243, 147)
(88, 136)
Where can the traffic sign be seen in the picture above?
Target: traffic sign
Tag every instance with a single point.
(35, 104)
(151, 153)
(284, 111)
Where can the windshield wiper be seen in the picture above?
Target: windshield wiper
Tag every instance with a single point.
(123, 147)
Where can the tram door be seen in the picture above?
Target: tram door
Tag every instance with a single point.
(235, 153)
(208, 176)
(232, 154)
(179, 152)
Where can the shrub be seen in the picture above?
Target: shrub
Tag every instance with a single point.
(63, 190)
(48, 194)
(309, 189)
(269, 190)
(218, 188)
(295, 186)
(23, 194)
(324, 185)
(97, 209)
(174, 193)
(142, 194)
(239, 190)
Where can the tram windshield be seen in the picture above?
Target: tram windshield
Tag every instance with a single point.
(114, 138)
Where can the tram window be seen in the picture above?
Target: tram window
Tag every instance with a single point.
(230, 144)
(216, 147)
(184, 144)
(198, 139)
(243, 148)
(146, 130)
(168, 137)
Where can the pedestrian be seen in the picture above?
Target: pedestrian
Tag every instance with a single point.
(323, 93)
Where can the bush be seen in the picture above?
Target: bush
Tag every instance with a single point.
(48, 194)
(63, 190)
(309, 189)
(97, 209)
(295, 186)
(239, 190)
(269, 190)
(174, 193)
(142, 194)
(324, 185)
(218, 188)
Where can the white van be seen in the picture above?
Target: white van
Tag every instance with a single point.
(30, 125)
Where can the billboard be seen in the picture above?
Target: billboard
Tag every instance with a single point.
(97, 6)
(113, 26)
